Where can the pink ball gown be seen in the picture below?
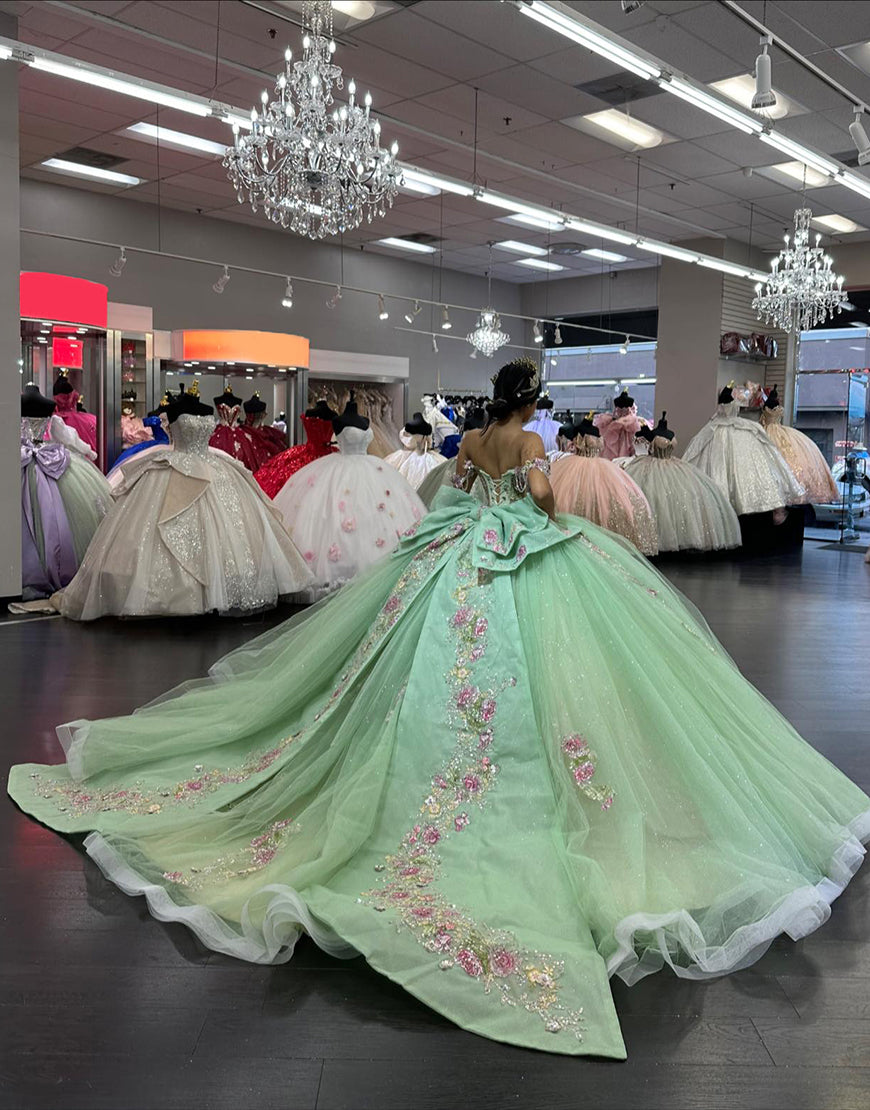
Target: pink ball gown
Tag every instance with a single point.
(618, 431)
(85, 423)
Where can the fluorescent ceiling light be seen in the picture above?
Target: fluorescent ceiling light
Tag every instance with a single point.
(177, 138)
(406, 245)
(604, 256)
(797, 170)
(5, 53)
(356, 9)
(423, 177)
(731, 268)
(841, 224)
(668, 251)
(601, 232)
(520, 248)
(126, 86)
(414, 185)
(539, 224)
(741, 90)
(75, 169)
(801, 153)
(721, 109)
(624, 126)
(517, 207)
(585, 35)
(538, 264)
(856, 183)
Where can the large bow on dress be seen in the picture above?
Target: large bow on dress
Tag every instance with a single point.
(43, 464)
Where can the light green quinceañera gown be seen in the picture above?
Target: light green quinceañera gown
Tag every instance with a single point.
(507, 762)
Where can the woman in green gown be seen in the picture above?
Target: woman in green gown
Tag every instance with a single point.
(506, 763)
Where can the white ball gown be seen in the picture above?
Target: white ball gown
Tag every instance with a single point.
(190, 532)
(806, 461)
(740, 458)
(346, 510)
(416, 460)
(692, 511)
(546, 427)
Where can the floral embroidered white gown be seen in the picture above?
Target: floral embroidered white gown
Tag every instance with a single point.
(347, 510)
(508, 762)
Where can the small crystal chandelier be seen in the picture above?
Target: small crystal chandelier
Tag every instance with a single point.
(802, 290)
(488, 337)
(313, 167)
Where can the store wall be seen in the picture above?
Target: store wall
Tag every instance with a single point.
(10, 390)
(613, 291)
(181, 294)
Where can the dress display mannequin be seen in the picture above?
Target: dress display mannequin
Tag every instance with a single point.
(445, 434)
(157, 425)
(584, 484)
(190, 532)
(418, 458)
(740, 458)
(63, 498)
(692, 511)
(346, 510)
(266, 440)
(507, 763)
(619, 428)
(317, 423)
(66, 398)
(544, 424)
(229, 436)
(805, 460)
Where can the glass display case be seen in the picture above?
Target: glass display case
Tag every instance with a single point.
(132, 388)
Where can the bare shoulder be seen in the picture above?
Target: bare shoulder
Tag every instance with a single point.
(533, 446)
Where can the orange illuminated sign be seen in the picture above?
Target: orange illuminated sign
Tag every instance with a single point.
(251, 348)
(62, 298)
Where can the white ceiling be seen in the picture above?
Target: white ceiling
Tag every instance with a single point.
(422, 62)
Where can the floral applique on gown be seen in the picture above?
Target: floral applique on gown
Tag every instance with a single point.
(805, 460)
(318, 443)
(740, 458)
(240, 441)
(507, 762)
(190, 532)
(692, 512)
(595, 488)
(347, 510)
(416, 460)
(63, 500)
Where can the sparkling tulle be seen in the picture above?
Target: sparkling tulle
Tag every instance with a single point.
(806, 461)
(503, 764)
(692, 512)
(272, 476)
(416, 460)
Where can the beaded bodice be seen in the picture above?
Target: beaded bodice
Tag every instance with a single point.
(354, 441)
(662, 448)
(318, 432)
(513, 485)
(771, 416)
(33, 428)
(730, 408)
(227, 414)
(588, 447)
(191, 433)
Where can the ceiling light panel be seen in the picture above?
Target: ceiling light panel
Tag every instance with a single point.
(406, 245)
(632, 131)
(93, 173)
(520, 248)
(840, 224)
(741, 90)
(150, 132)
(796, 171)
(538, 264)
(604, 256)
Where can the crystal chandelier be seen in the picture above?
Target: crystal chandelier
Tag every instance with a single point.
(802, 289)
(311, 166)
(487, 336)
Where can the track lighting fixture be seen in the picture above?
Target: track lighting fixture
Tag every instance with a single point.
(117, 267)
(445, 319)
(222, 281)
(537, 334)
(764, 97)
(557, 336)
(335, 298)
(434, 344)
(382, 308)
(413, 313)
(629, 6)
(859, 137)
(623, 348)
(287, 300)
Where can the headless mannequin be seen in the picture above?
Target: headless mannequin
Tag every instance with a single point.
(321, 411)
(622, 403)
(661, 429)
(544, 403)
(187, 403)
(586, 428)
(33, 404)
(254, 410)
(726, 395)
(475, 417)
(418, 426)
(773, 401)
(61, 385)
(350, 418)
(228, 398)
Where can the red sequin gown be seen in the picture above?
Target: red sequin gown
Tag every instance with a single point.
(275, 473)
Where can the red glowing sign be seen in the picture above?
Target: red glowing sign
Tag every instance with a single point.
(62, 298)
(66, 353)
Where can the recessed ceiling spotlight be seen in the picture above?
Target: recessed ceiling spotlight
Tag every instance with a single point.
(624, 126)
(604, 256)
(629, 6)
(741, 89)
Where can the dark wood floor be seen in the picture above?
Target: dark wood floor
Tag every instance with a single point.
(103, 1007)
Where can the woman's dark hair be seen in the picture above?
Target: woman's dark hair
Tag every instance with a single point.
(516, 385)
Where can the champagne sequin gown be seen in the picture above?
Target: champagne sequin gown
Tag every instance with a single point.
(806, 461)
(692, 512)
(506, 763)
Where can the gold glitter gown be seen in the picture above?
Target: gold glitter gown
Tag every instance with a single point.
(805, 460)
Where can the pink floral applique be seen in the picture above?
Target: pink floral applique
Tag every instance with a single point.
(334, 553)
(461, 617)
(490, 537)
(348, 524)
(341, 506)
(461, 821)
(502, 962)
(309, 556)
(584, 771)
(465, 696)
(487, 710)
(431, 835)
(582, 762)
(392, 604)
(381, 506)
(480, 626)
(380, 541)
(469, 962)
(485, 739)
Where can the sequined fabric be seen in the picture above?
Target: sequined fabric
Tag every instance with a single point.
(806, 461)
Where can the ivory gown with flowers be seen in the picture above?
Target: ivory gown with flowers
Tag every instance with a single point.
(505, 763)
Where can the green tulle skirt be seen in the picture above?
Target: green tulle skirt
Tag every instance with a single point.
(507, 763)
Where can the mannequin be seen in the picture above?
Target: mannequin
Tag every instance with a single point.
(417, 459)
(417, 426)
(265, 442)
(661, 429)
(619, 428)
(84, 423)
(805, 460)
(350, 418)
(227, 398)
(321, 411)
(62, 384)
(34, 404)
(318, 424)
(189, 402)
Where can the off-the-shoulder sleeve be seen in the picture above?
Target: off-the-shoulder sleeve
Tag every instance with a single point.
(463, 481)
(522, 472)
